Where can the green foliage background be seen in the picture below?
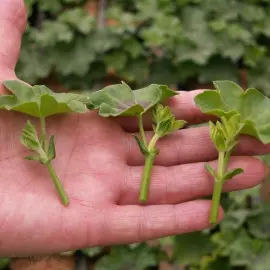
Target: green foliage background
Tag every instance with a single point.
(175, 42)
(161, 41)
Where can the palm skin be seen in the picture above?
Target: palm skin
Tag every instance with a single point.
(100, 167)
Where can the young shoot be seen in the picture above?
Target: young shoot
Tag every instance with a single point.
(164, 123)
(40, 102)
(240, 113)
(121, 100)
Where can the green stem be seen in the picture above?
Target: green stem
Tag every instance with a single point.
(140, 117)
(43, 134)
(215, 201)
(147, 172)
(59, 187)
(152, 144)
(223, 159)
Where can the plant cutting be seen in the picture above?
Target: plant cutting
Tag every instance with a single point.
(121, 100)
(240, 113)
(40, 102)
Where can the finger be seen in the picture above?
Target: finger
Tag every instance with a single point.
(129, 224)
(13, 21)
(170, 185)
(189, 146)
(183, 107)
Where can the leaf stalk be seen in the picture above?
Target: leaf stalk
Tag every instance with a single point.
(142, 133)
(57, 183)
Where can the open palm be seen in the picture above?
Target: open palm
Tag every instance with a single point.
(100, 167)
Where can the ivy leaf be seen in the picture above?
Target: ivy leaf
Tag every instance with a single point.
(229, 175)
(79, 51)
(51, 149)
(244, 249)
(234, 220)
(120, 100)
(190, 248)
(40, 101)
(230, 99)
(51, 33)
(79, 19)
(262, 260)
(122, 257)
(259, 224)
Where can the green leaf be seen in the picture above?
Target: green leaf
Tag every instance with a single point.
(51, 149)
(178, 124)
(189, 248)
(229, 175)
(244, 249)
(4, 263)
(29, 137)
(51, 33)
(40, 101)
(79, 19)
(234, 219)
(164, 120)
(217, 136)
(219, 263)
(262, 260)
(229, 99)
(120, 100)
(259, 224)
(164, 127)
(210, 170)
(82, 56)
(36, 158)
(123, 257)
(141, 145)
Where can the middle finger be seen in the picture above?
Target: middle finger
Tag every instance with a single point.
(189, 146)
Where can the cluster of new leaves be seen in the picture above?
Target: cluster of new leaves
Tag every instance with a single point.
(164, 121)
(224, 133)
(30, 139)
(161, 41)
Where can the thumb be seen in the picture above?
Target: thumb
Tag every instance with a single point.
(12, 25)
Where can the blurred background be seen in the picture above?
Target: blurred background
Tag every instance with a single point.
(85, 45)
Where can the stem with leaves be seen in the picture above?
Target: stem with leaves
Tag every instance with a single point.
(164, 123)
(46, 153)
(225, 135)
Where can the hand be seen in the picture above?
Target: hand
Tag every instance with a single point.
(100, 166)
